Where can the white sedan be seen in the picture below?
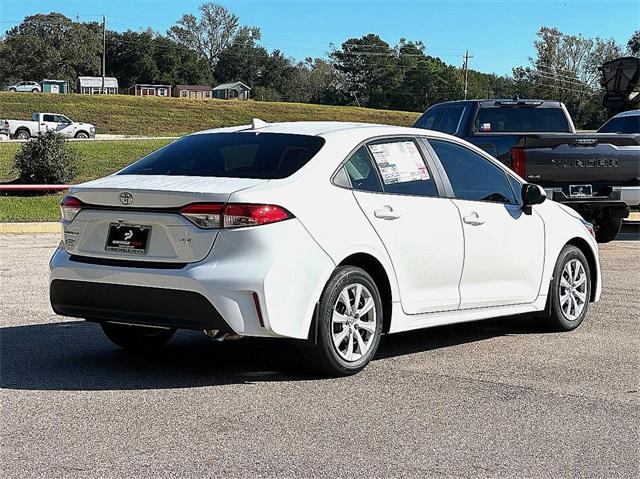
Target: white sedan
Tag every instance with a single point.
(331, 233)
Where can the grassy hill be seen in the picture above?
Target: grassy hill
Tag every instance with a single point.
(122, 114)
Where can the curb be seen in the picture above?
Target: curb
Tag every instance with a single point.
(27, 228)
(634, 217)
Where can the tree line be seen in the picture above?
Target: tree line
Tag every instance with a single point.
(214, 47)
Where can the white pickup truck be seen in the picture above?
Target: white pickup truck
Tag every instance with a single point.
(41, 122)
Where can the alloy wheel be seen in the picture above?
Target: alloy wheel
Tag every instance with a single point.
(573, 289)
(353, 322)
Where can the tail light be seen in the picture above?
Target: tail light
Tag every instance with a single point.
(70, 206)
(233, 215)
(519, 160)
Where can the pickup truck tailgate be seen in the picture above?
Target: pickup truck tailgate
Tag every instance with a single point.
(596, 159)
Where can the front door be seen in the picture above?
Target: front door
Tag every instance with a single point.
(504, 248)
(421, 231)
(55, 89)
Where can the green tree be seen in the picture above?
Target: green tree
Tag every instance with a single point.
(147, 57)
(633, 45)
(212, 33)
(50, 46)
(368, 70)
(47, 159)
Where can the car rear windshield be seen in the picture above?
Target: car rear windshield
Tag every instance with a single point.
(230, 155)
(521, 119)
(622, 124)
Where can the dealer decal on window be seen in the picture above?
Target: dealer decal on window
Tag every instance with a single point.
(399, 162)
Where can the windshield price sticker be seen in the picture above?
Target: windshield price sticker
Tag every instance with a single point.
(399, 162)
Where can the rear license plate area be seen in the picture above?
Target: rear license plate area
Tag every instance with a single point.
(580, 191)
(129, 239)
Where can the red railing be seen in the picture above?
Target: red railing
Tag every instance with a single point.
(34, 187)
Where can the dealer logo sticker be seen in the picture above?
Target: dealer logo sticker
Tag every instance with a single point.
(126, 198)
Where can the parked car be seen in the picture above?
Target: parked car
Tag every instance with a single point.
(41, 122)
(25, 86)
(329, 233)
(626, 122)
(597, 175)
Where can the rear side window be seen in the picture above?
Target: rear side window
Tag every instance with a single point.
(428, 120)
(473, 177)
(623, 124)
(230, 155)
(520, 119)
(450, 119)
(361, 172)
(402, 168)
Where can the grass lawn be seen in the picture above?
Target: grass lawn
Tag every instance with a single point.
(123, 114)
(98, 158)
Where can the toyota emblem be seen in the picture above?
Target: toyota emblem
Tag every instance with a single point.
(126, 198)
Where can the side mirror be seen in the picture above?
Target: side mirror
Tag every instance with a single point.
(532, 195)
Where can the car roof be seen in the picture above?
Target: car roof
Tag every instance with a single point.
(326, 129)
(628, 113)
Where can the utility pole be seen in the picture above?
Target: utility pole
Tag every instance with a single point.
(104, 49)
(466, 72)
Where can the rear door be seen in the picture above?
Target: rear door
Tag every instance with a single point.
(396, 189)
(504, 248)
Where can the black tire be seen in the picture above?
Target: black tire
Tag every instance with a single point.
(608, 228)
(556, 317)
(13, 90)
(35, 90)
(136, 338)
(82, 134)
(324, 356)
(22, 134)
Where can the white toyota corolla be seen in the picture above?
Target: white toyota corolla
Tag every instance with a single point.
(332, 233)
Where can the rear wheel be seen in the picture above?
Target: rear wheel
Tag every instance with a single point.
(22, 134)
(349, 323)
(608, 229)
(570, 291)
(13, 90)
(137, 338)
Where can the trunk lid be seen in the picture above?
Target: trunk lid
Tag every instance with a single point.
(152, 202)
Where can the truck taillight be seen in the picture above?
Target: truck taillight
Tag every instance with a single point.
(519, 160)
(233, 215)
(70, 206)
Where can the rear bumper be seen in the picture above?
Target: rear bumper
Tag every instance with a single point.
(277, 268)
(134, 304)
(560, 195)
(630, 195)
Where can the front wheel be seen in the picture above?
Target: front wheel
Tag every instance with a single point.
(13, 90)
(608, 229)
(82, 135)
(137, 338)
(570, 290)
(349, 323)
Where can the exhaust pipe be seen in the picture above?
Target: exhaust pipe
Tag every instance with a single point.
(218, 335)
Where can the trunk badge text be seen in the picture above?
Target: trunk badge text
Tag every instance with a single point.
(126, 198)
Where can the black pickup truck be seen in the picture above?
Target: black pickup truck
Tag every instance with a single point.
(596, 174)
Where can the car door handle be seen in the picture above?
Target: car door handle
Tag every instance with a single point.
(473, 219)
(386, 213)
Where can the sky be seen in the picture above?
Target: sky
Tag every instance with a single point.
(498, 34)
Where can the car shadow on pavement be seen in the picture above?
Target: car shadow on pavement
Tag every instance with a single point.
(76, 356)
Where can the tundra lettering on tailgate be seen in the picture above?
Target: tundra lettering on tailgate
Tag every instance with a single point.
(586, 162)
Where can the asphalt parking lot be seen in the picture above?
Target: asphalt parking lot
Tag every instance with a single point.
(493, 399)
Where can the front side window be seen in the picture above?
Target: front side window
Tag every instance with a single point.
(361, 172)
(473, 177)
(402, 168)
(230, 155)
(450, 119)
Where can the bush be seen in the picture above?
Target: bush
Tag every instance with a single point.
(47, 159)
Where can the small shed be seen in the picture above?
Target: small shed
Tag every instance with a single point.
(232, 91)
(55, 86)
(93, 85)
(194, 92)
(143, 89)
